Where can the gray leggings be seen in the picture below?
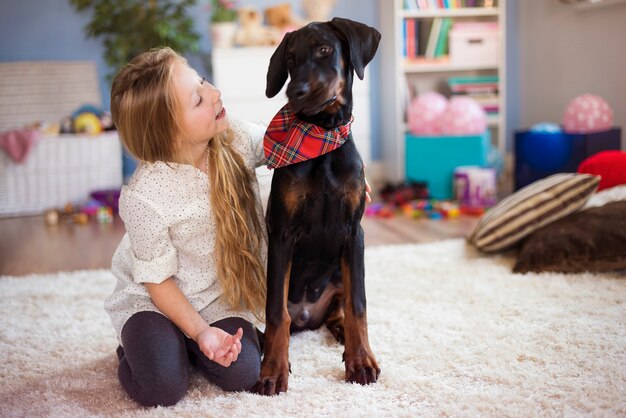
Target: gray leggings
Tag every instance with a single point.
(154, 363)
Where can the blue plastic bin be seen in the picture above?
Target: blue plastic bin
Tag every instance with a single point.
(432, 159)
(540, 154)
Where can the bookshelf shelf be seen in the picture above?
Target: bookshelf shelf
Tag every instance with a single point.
(441, 65)
(403, 77)
(492, 121)
(462, 12)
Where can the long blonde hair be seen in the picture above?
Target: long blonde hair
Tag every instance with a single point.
(144, 110)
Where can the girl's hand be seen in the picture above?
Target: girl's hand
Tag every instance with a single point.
(368, 189)
(220, 346)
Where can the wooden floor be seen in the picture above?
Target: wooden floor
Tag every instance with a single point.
(28, 246)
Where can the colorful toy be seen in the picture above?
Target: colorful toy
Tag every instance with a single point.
(463, 116)
(52, 217)
(104, 215)
(380, 210)
(87, 123)
(472, 210)
(403, 192)
(424, 111)
(475, 186)
(108, 197)
(587, 113)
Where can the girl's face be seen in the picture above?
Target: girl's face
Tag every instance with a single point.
(202, 114)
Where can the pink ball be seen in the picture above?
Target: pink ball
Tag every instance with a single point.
(424, 111)
(464, 116)
(587, 113)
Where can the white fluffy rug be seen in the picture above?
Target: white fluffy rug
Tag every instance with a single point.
(455, 334)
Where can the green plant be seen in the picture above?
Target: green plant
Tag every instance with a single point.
(223, 11)
(130, 27)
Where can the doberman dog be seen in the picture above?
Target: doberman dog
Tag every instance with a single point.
(315, 241)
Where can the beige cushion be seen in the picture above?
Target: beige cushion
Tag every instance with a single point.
(530, 208)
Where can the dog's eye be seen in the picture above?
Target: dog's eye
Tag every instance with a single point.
(290, 60)
(324, 51)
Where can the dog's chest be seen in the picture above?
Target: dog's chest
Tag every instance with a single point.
(320, 199)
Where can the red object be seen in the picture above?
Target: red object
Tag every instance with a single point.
(610, 165)
(289, 140)
(17, 144)
(472, 210)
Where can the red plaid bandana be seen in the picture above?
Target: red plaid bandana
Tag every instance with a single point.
(289, 140)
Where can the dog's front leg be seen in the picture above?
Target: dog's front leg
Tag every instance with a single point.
(361, 366)
(275, 367)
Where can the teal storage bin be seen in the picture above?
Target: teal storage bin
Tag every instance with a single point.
(432, 159)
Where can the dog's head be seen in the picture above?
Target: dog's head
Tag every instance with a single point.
(320, 59)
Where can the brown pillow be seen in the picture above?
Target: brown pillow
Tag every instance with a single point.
(590, 240)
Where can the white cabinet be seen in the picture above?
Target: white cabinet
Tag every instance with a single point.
(240, 74)
(398, 73)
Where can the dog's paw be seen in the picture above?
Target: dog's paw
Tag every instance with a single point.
(272, 383)
(362, 370)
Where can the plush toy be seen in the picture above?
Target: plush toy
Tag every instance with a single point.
(281, 17)
(318, 10)
(87, 123)
(252, 32)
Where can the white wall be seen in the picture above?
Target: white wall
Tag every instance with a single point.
(565, 52)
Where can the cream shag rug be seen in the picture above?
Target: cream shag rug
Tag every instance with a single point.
(455, 334)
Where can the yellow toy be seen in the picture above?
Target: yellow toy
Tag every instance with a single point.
(87, 123)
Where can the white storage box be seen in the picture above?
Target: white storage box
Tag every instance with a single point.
(475, 44)
(58, 170)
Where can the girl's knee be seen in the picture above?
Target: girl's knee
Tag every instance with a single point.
(160, 393)
(153, 389)
(243, 374)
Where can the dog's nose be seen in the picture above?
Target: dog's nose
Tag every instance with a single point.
(300, 90)
(304, 316)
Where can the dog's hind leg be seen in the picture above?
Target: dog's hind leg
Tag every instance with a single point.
(336, 316)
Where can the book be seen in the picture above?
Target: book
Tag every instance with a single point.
(433, 37)
(441, 48)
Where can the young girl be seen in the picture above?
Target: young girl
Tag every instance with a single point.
(191, 266)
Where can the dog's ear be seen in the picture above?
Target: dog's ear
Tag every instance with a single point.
(362, 39)
(277, 72)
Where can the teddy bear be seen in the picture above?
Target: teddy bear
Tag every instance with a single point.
(282, 18)
(318, 10)
(252, 32)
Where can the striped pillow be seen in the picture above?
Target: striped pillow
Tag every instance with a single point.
(530, 208)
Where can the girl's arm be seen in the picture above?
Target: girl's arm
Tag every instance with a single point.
(215, 343)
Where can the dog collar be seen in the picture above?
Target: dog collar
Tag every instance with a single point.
(289, 140)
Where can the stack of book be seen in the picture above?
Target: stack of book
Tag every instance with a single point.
(482, 88)
(446, 4)
(427, 42)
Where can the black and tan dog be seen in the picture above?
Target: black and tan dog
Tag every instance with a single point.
(316, 249)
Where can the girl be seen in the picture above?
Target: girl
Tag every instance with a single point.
(190, 269)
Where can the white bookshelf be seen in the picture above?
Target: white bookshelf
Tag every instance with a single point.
(396, 72)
